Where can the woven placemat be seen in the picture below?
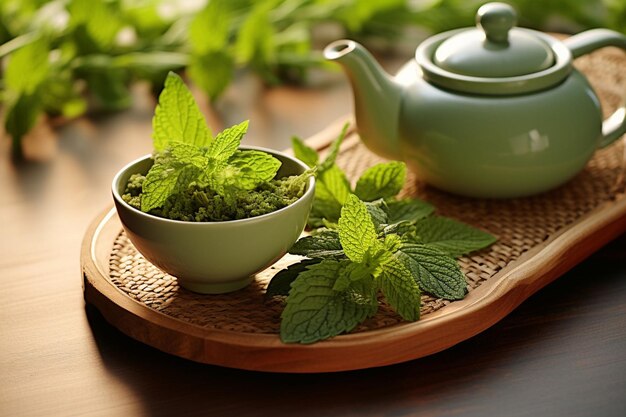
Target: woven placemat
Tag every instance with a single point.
(519, 224)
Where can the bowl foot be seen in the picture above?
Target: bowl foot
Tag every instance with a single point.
(216, 288)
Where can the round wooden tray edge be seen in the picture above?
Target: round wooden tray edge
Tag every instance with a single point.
(406, 341)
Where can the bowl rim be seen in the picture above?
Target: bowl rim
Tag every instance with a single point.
(308, 193)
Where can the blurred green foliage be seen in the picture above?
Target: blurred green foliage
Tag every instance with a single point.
(64, 57)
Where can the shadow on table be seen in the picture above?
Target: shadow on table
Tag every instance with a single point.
(530, 362)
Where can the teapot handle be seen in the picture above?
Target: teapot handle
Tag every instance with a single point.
(583, 43)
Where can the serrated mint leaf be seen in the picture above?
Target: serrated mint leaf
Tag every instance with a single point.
(325, 244)
(281, 282)
(381, 181)
(165, 180)
(315, 311)
(252, 168)
(400, 289)
(177, 117)
(336, 184)
(435, 271)
(408, 209)
(303, 152)
(227, 142)
(452, 237)
(356, 229)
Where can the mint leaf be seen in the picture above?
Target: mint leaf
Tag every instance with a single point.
(227, 142)
(381, 181)
(315, 311)
(408, 209)
(252, 168)
(177, 117)
(452, 237)
(336, 186)
(325, 244)
(435, 271)
(400, 289)
(164, 180)
(356, 229)
(303, 152)
(281, 282)
(331, 191)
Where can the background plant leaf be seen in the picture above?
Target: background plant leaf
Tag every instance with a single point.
(163, 181)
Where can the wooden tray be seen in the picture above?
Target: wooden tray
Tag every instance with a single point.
(539, 239)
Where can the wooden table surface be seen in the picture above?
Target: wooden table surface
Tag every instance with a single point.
(562, 353)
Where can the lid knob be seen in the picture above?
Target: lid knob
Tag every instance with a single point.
(496, 19)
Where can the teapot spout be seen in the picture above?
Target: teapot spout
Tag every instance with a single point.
(377, 97)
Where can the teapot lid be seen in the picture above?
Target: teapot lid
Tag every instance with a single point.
(495, 48)
(496, 58)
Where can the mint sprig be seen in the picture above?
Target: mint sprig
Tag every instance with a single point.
(371, 242)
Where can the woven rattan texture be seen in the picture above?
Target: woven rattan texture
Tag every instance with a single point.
(519, 224)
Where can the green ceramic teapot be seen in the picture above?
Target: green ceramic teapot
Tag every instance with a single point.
(494, 111)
